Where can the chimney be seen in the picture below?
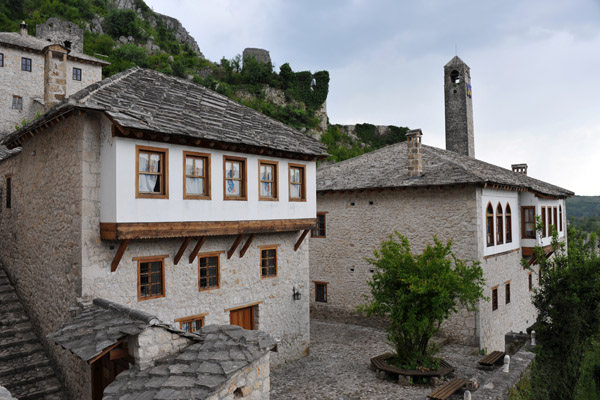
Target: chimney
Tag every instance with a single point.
(23, 28)
(413, 149)
(55, 75)
(519, 168)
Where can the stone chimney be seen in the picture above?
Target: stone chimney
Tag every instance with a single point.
(23, 29)
(413, 150)
(55, 75)
(520, 168)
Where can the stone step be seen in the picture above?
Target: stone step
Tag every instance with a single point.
(9, 297)
(11, 307)
(15, 329)
(10, 318)
(8, 342)
(11, 382)
(6, 288)
(42, 389)
(22, 350)
(17, 365)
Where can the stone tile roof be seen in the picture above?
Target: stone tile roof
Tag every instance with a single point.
(199, 370)
(37, 44)
(99, 327)
(150, 101)
(6, 153)
(387, 168)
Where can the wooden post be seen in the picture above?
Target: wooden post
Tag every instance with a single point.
(301, 239)
(179, 254)
(196, 248)
(119, 255)
(234, 246)
(246, 245)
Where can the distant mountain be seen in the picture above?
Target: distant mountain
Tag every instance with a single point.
(584, 212)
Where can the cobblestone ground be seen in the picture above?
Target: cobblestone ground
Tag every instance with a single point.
(338, 367)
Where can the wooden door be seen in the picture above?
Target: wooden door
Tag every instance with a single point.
(106, 368)
(243, 317)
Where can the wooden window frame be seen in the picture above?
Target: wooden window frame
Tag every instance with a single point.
(544, 224)
(494, 298)
(324, 284)
(489, 225)
(301, 167)
(508, 223)
(530, 281)
(191, 318)
(523, 222)
(317, 228)
(507, 292)
(555, 217)
(77, 74)
(164, 152)
(17, 103)
(274, 182)
(549, 230)
(499, 224)
(216, 254)
(26, 64)
(560, 221)
(243, 178)
(149, 259)
(267, 248)
(206, 176)
(8, 181)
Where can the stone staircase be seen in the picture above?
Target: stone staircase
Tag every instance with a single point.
(24, 367)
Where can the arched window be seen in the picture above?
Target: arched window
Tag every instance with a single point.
(455, 76)
(560, 217)
(490, 225)
(508, 228)
(499, 225)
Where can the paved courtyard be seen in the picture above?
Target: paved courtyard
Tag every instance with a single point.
(338, 367)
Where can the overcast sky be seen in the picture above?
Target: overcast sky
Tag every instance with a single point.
(535, 67)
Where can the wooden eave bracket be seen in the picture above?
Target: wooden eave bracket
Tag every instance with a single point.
(184, 246)
(301, 239)
(197, 248)
(119, 255)
(247, 245)
(234, 246)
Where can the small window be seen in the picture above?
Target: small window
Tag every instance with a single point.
(191, 324)
(508, 224)
(76, 74)
(234, 178)
(208, 272)
(490, 225)
(320, 230)
(321, 292)
(455, 76)
(495, 298)
(196, 168)
(544, 225)
(507, 292)
(528, 222)
(17, 103)
(499, 225)
(1, 59)
(8, 192)
(560, 217)
(151, 277)
(267, 176)
(152, 172)
(530, 281)
(297, 182)
(268, 262)
(25, 64)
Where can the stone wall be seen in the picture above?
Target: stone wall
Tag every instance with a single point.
(252, 382)
(153, 343)
(358, 222)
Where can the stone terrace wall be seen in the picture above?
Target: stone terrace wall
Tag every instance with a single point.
(251, 383)
(353, 231)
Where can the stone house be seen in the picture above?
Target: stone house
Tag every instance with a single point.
(39, 71)
(160, 195)
(421, 191)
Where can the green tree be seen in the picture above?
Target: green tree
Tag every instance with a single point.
(417, 292)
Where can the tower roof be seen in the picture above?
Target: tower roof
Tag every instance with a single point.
(455, 62)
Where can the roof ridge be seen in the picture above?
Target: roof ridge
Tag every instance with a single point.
(458, 164)
(369, 153)
(127, 311)
(83, 95)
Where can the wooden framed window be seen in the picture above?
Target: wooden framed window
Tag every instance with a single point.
(494, 298)
(8, 191)
(267, 180)
(297, 182)
(151, 277)
(17, 103)
(507, 292)
(530, 281)
(321, 292)
(555, 217)
(234, 182)
(560, 217)
(545, 225)
(152, 172)
(499, 225)
(1, 60)
(549, 209)
(489, 225)
(25, 64)
(528, 222)
(320, 230)
(209, 271)
(268, 261)
(192, 323)
(508, 219)
(76, 74)
(196, 179)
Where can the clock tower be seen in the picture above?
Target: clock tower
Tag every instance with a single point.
(458, 99)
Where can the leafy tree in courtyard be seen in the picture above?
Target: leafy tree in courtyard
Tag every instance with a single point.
(417, 292)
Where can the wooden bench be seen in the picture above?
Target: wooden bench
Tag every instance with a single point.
(448, 389)
(493, 358)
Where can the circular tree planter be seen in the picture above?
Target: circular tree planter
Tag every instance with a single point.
(380, 364)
